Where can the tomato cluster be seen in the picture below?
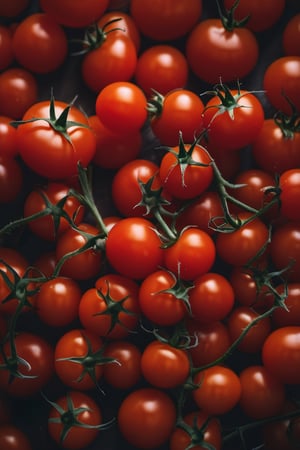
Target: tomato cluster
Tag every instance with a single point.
(150, 224)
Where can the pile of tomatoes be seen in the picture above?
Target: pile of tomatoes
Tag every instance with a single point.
(150, 224)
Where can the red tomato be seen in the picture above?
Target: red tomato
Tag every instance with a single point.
(154, 418)
(289, 184)
(84, 420)
(285, 249)
(8, 137)
(40, 43)
(111, 308)
(122, 106)
(60, 157)
(204, 430)
(113, 149)
(11, 179)
(73, 13)
(291, 315)
(122, 23)
(291, 36)
(164, 366)
(6, 49)
(262, 394)
(13, 9)
(13, 438)
(282, 78)
(211, 298)
(124, 371)
(192, 255)
(50, 225)
(219, 390)
(215, 53)
(133, 247)
(282, 434)
(18, 91)
(165, 20)
(280, 354)
(181, 111)
(161, 68)
(57, 301)
(32, 376)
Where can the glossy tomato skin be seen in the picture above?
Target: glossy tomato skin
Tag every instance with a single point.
(14, 438)
(122, 23)
(280, 354)
(289, 184)
(285, 249)
(8, 138)
(155, 417)
(133, 247)
(213, 53)
(11, 179)
(290, 316)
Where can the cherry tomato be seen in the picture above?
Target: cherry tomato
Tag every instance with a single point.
(122, 23)
(155, 417)
(13, 9)
(291, 36)
(285, 249)
(289, 184)
(11, 179)
(13, 438)
(8, 137)
(291, 315)
(6, 48)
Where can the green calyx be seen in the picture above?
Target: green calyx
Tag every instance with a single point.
(227, 18)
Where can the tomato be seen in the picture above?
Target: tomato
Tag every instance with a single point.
(122, 23)
(165, 20)
(203, 430)
(113, 149)
(289, 184)
(161, 68)
(154, 418)
(185, 171)
(11, 179)
(8, 137)
(192, 255)
(275, 149)
(124, 371)
(162, 299)
(111, 307)
(282, 434)
(262, 394)
(210, 341)
(6, 49)
(18, 91)
(85, 264)
(31, 377)
(233, 121)
(59, 157)
(39, 43)
(84, 419)
(291, 35)
(241, 245)
(122, 106)
(164, 366)
(13, 9)
(280, 354)
(262, 16)
(133, 247)
(219, 390)
(285, 249)
(281, 78)
(73, 13)
(228, 163)
(57, 195)
(13, 438)
(211, 298)
(57, 301)
(113, 59)
(45, 263)
(291, 315)
(215, 53)
(181, 111)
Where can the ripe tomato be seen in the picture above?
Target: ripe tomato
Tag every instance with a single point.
(262, 394)
(124, 371)
(161, 68)
(282, 76)
(280, 354)
(219, 390)
(84, 419)
(192, 255)
(11, 179)
(74, 14)
(155, 417)
(122, 106)
(285, 249)
(289, 184)
(13, 9)
(237, 113)
(133, 247)
(181, 111)
(18, 91)
(13, 438)
(203, 430)
(282, 434)
(291, 316)
(8, 137)
(291, 36)
(215, 53)
(111, 307)
(38, 370)
(122, 23)
(40, 43)
(57, 194)
(165, 20)
(57, 301)
(164, 366)
(6, 49)
(211, 298)
(63, 146)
